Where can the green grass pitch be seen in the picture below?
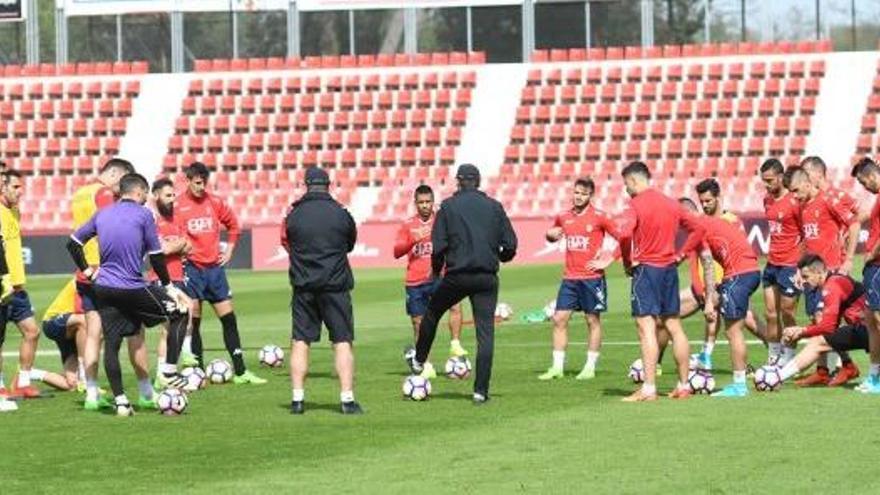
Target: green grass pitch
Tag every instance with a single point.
(534, 437)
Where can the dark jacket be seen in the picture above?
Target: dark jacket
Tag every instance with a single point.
(471, 234)
(319, 233)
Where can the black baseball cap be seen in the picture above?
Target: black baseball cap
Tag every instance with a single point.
(467, 171)
(316, 176)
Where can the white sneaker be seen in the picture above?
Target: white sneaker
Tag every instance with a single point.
(8, 405)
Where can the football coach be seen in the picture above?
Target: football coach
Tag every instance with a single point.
(318, 233)
(471, 234)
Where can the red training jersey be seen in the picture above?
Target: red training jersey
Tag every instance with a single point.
(822, 221)
(873, 231)
(201, 220)
(783, 219)
(584, 233)
(647, 229)
(418, 249)
(842, 297)
(729, 246)
(169, 231)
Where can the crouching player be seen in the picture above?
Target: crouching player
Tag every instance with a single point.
(65, 324)
(843, 299)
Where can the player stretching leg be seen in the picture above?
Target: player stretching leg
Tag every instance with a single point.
(726, 243)
(414, 241)
(200, 215)
(647, 234)
(843, 299)
(583, 283)
(127, 233)
(867, 172)
(65, 324)
(823, 216)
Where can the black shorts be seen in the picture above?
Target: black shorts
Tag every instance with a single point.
(848, 338)
(333, 309)
(124, 311)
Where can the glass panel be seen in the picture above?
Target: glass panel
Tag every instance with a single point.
(12, 43)
(378, 31)
(442, 30)
(616, 23)
(498, 32)
(147, 37)
(262, 34)
(324, 33)
(867, 24)
(46, 21)
(206, 35)
(780, 20)
(91, 38)
(679, 22)
(560, 25)
(725, 21)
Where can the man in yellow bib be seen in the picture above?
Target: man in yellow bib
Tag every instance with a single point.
(65, 324)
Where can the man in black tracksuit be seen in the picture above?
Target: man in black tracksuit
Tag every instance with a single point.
(318, 233)
(471, 234)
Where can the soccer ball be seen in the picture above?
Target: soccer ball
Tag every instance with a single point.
(458, 367)
(637, 371)
(550, 309)
(503, 311)
(195, 379)
(767, 379)
(701, 382)
(416, 387)
(171, 402)
(219, 371)
(271, 356)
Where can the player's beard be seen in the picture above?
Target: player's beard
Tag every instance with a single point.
(166, 210)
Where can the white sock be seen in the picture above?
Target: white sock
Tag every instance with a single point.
(81, 372)
(299, 395)
(649, 389)
(346, 396)
(145, 388)
(187, 344)
(708, 347)
(2, 380)
(168, 369)
(558, 360)
(592, 359)
(24, 378)
(91, 389)
(774, 349)
(789, 370)
(739, 376)
(874, 370)
(121, 400)
(788, 352)
(454, 343)
(37, 375)
(160, 363)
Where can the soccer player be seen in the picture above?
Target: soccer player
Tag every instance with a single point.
(583, 285)
(174, 246)
(201, 215)
(65, 324)
(782, 210)
(414, 241)
(318, 233)
(86, 201)
(726, 243)
(126, 234)
(843, 299)
(867, 173)
(18, 307)
(822, 220)
(5, 292)
(648, 229)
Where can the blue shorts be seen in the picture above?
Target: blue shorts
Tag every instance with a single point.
(87, 295)
(56, 330)
(655, 291)
(589, 296)
(207, 284)
(418, 296)
(18, 308)
(735, 293)
(812, 300)
(871, 276)
(782, 277)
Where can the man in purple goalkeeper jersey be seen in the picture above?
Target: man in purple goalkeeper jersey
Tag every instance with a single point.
(126, 233)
